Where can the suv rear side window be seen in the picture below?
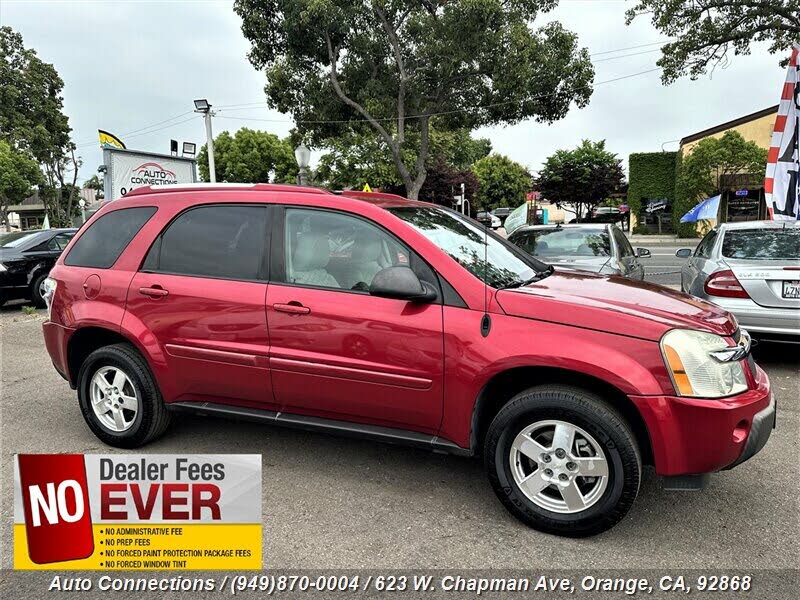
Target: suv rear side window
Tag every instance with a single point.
(222, 241)
(100, 246)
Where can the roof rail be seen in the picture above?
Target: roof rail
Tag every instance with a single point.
(362, 195)
(262, 187)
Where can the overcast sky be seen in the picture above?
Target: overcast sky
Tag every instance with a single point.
(128, 65)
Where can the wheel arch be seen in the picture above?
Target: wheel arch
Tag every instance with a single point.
(505, 385)
(88, 339)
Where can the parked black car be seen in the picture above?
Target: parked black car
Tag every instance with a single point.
(502, 213)
(26, 258)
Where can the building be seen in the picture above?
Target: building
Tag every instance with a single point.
(743, 197)
(30, 213)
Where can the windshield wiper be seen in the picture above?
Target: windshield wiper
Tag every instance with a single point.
(538, 277)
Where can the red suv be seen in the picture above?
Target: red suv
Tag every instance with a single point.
(406, 322)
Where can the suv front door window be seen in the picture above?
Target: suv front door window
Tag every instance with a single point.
(386, 354)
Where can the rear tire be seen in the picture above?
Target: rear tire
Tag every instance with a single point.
(36, 291)
(119, 398)
(563, 461)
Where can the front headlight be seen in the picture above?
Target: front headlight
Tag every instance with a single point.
(2, 268)
(692, 360)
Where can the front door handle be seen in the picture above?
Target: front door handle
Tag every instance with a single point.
(293, 308)
(155, 291)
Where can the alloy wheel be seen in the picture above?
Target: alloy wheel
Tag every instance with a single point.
(114, 399)
(559, 466)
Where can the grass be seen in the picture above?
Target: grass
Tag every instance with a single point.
(28, 310)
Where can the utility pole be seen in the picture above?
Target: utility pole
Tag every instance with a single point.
(203, 107)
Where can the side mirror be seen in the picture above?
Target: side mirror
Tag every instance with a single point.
(642, 253)
(401, 283)
(684, 253)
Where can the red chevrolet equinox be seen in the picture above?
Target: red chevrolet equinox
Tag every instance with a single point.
(402, 321)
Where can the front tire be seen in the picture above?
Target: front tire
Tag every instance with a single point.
(119, 398)
(563, 461)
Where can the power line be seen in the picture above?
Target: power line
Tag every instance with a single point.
(244, 105)
(436, 114)
(136, 131)
(662, 42)
(127, 135)
(627, 55)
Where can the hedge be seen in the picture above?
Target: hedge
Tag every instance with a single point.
(651, 175)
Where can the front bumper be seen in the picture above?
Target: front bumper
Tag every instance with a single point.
(760, 430)
(695, 435)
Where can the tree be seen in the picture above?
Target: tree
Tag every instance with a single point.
(583, 177)
(18, 174)
(501, 181)
(705, 31)
(394, 67)
(97, 184)
(712, 159)
(444, 182)
(32, 121)
(355, 159)
(250, 156)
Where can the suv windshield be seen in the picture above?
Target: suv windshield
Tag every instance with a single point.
(762, 244)
(568, 241)
(463, 240)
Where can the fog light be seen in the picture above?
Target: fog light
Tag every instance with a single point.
(741, 431)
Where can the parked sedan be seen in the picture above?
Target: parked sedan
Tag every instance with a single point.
(600, 248)
(488, 219)
(752, 269)
(26, 258)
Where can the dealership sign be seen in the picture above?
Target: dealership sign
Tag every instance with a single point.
(127, 170)
(143, 512)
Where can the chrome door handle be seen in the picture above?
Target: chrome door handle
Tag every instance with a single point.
(292, 308)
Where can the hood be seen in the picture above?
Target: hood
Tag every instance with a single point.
(614, 304)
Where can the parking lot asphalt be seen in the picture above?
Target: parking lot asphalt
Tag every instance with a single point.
(332, 502)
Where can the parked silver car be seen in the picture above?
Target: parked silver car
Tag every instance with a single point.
(751, 269)
(600, 248)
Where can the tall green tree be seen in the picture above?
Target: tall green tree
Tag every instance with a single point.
(501, 182)
(706, 31)
(582, 178)
(18, 174)
(394, 67)
(32, 121)
(354, 159)
(250, 156)
(703, 169)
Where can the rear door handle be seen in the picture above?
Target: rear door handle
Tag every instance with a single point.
(293, 308)
(155, 291)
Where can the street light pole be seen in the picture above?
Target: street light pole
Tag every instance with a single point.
(303, 156)
(204, 108)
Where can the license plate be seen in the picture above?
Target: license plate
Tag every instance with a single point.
(791, 289)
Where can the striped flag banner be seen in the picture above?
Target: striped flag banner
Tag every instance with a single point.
(782, 185)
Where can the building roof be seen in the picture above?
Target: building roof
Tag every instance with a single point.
(729, 125)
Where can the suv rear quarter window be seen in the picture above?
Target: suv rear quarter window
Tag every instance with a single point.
(220, 241)
(105, 240)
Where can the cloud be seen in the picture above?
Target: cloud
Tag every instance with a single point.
(127, 65)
